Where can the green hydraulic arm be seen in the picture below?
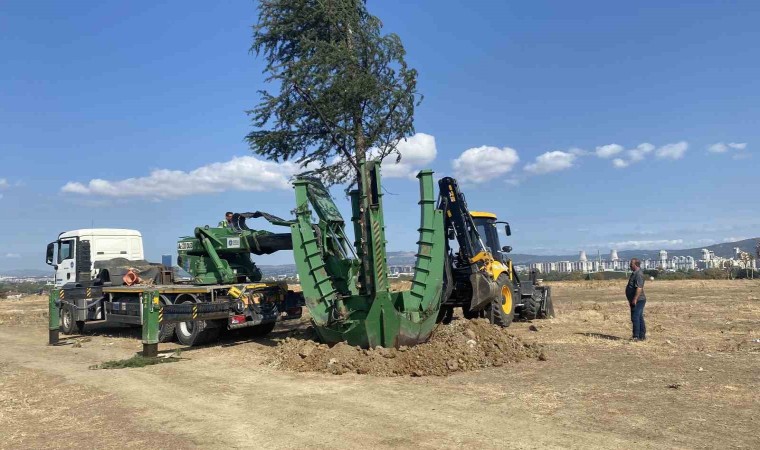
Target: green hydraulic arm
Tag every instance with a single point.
(347, 289)
(222, 255)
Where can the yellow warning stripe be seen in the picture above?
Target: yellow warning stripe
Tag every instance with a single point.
(195, 312)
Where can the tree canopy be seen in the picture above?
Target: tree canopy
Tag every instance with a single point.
(344, 91)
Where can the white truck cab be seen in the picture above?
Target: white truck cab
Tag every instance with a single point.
(72, 255)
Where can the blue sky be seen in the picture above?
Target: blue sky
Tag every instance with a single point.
(523, 102)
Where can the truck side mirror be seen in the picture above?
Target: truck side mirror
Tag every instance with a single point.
(450, 234)
(507, 230)
(50, 253)
(506, 248)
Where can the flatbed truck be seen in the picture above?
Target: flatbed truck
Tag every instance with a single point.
(194, 313)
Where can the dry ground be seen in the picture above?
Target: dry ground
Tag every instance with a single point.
(694, 384)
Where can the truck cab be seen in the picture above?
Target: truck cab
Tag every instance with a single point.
(73, 254)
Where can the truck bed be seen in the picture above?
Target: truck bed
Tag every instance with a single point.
(176, 288)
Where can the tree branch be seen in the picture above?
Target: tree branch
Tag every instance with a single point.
(329, 126)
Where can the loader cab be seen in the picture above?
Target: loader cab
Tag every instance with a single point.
(486, 223)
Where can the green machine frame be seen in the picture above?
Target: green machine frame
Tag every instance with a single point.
(346, 287)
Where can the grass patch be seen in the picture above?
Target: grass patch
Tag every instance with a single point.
(134, 362)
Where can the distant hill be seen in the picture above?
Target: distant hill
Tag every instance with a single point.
(27, 273)
(273, 271)
(725, 250)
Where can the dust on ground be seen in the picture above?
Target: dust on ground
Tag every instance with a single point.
(462, 346)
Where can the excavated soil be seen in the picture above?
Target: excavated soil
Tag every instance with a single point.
(461, 346)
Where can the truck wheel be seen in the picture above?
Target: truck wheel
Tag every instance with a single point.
(530, 306)
(166, 330)
(547, 312)
(195, 333)
(68, 324)
(261, 330)
(192, 332)
(187, 332)
(502, 311)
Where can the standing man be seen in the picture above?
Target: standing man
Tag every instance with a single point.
(634, 292)
(227, 222)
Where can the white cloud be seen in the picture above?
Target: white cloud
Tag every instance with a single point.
(245, 173)
(416, 152)
(3, 183)
(484, 163)
(609, 150)
(641, 150)
(672, 151)
(619, 163)
(720, 147)
(578, 151)
(12, 255)
(551, 162)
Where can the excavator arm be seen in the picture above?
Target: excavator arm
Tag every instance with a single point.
(474, 262)
(457, 220)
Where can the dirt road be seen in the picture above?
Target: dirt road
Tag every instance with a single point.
(694, 384)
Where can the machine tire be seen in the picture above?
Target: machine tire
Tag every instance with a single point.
(502, 311)
(195, 333)
(445, 314)
(68, 324)
(187, 332)
(262, 329)
(166, 330)
(531, 306)
(472, 314)
(192, 332)
(547, 312)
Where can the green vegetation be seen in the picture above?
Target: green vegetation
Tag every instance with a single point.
(344, 87)
(22, 288)
(135, 362)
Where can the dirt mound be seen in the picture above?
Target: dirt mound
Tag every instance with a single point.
(462, 346)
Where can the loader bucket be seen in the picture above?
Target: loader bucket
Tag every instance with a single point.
(346, 284)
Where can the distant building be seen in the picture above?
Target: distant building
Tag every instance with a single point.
(614, 263)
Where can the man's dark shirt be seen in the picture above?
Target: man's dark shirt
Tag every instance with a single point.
(635, 281)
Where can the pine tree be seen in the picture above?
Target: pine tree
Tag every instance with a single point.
(345, 91)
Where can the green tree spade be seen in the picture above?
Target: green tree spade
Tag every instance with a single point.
(344, 89)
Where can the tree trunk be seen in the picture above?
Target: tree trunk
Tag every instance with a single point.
(362, 181)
